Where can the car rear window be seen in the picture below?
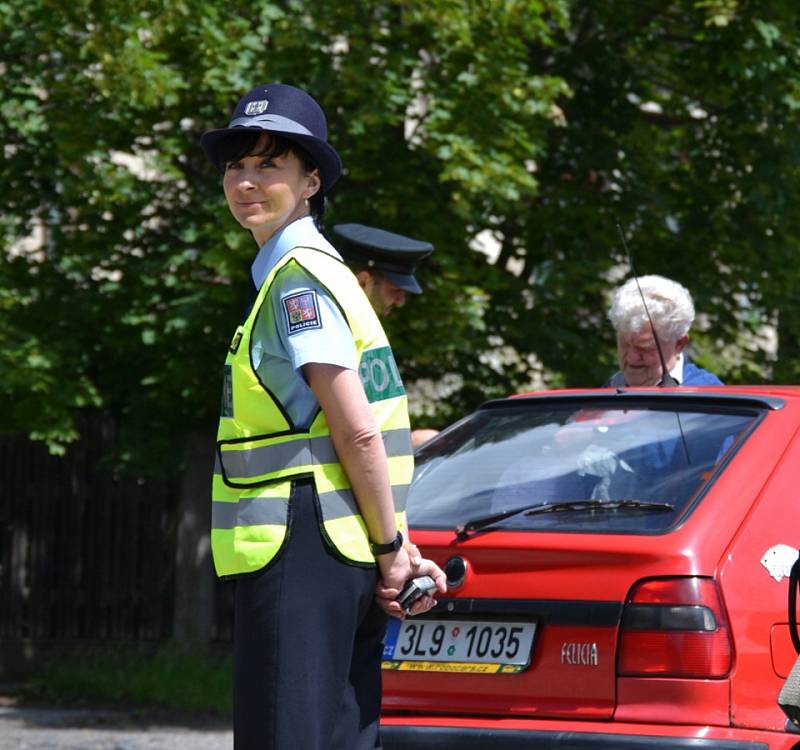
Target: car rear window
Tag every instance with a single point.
(626, 461)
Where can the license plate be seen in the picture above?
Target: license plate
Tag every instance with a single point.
(458, 646)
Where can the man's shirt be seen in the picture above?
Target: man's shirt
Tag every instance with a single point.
(685, 372)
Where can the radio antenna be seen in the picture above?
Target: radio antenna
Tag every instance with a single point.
(666, 378)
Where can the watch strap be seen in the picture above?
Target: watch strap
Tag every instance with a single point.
(387, 547)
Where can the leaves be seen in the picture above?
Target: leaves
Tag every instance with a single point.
(538, 123)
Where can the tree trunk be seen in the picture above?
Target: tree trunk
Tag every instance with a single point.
(194, 574)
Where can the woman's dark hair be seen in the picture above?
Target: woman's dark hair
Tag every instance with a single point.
(240, 144)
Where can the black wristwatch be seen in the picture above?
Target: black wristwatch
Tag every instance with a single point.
(385, 549)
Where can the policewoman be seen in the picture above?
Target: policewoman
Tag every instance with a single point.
(313, 450)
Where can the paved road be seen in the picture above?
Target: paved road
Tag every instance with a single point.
(40, 728)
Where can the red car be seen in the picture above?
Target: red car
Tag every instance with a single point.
(618, 568)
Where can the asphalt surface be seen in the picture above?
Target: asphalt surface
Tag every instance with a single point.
(37, 727)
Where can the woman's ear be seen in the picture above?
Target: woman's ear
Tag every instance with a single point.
(314, 184)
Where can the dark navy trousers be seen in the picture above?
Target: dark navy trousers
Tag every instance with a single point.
(307, 646)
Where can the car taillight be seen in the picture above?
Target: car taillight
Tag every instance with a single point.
(674, 627)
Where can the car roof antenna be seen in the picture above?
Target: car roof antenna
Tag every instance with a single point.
(666, 378)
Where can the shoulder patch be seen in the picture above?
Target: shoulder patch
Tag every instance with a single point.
(301, 311)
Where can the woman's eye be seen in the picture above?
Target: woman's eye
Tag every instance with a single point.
(266, 163)
(232, 165)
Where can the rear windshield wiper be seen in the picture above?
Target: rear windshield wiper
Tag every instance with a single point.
(575, 506)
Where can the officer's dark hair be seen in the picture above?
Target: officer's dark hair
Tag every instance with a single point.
(356, 267)
(238, 145)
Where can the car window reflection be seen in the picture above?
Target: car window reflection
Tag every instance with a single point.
(505, 458)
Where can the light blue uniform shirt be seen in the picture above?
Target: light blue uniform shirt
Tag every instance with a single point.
(299, 323)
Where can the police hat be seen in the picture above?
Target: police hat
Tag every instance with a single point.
(392, 254)
(289, 112)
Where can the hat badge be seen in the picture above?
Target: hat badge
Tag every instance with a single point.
(256, 107)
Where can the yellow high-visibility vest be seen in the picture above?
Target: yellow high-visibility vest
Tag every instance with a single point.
(260, 451)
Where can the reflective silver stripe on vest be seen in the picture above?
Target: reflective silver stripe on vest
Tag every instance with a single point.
(397, 442)
(267, 459)
(342, 503)
(249, 511)
(257, 511)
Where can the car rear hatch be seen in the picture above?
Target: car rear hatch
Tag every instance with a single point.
(556, 611)
(532, 630)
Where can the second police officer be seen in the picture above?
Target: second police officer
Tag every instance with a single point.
(384, 264)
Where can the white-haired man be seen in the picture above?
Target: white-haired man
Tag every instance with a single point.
(672, 312)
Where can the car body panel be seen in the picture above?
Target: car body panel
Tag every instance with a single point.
(560, 576)
(781, 650)
(672, 701)
(757, 601)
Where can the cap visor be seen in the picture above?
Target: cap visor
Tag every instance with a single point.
(322, 153)
(403, 281)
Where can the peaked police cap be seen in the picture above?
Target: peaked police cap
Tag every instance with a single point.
(286, 111)
(394, 255)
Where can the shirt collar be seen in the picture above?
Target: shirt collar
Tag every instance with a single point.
(677, 371)
(301, 231)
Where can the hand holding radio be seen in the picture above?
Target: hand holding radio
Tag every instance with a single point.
(416, 594)
(414, 590)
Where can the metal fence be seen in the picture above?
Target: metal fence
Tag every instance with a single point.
(86, 554)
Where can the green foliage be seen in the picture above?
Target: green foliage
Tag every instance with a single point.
(540, 123)
(166, 678)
